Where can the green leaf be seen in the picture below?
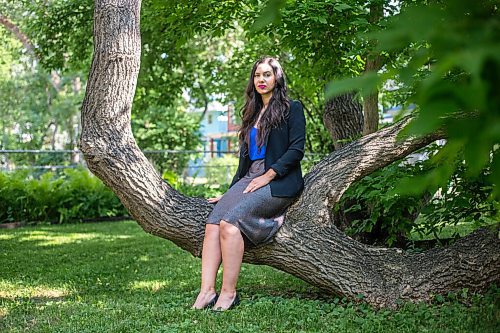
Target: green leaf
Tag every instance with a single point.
(270, 14)
(367, 84)
(341, 7)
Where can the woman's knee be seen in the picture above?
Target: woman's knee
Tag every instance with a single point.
(212, 231)
(228, 230)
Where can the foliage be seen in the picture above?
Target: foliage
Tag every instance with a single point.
(309, 160)
(194, 190)
(205, 49)
(72, 196)
(167, 128)
(21, 92)
(452, 74)
(36, 104)
(60, 30)
(443, 58)
(34, 111)
(201, 190)
(220, 170)
(114, 277)
(377, 212)
(463, 200)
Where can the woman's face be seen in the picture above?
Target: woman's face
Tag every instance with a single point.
(264, 79)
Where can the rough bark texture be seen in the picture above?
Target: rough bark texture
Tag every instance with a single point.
(308, 246)
(343, 118)
(373, 63)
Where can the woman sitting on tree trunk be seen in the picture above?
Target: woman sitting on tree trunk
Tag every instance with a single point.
(268, 179)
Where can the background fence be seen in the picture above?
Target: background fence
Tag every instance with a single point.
(188, 166)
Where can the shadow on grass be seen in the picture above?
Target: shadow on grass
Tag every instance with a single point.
(115, 277)
(103, 258)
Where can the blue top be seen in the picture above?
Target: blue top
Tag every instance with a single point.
(254, 152)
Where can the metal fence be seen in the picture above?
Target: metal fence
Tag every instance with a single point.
(191, 166)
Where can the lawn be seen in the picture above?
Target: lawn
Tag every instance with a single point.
(113, 277)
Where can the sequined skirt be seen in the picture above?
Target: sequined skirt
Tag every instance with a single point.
(255, 214)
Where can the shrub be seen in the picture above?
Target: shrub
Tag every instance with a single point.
(221, 170)
(73, 195)
(375, 210)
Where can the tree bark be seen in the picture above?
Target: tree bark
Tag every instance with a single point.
(373, 63)
(343, 118)
(308, 245)
(205, 104)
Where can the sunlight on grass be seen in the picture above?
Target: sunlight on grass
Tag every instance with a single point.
(114, 277)
(3, 312)
(12, 291)
(143, 258)
(153, 285)
(448, 231)
(114, 237)
(48, 239)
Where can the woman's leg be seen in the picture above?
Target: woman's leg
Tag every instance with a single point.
(210, 262)
(232, 247)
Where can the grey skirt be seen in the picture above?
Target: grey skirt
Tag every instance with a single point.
(257, 214)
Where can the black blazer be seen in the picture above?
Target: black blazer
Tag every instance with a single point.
(284, 150)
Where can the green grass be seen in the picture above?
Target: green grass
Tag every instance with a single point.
(113, 277)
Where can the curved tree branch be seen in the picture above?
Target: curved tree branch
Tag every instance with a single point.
(331, 177)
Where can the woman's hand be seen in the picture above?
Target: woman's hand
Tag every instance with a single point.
(214, 200)
(260, 181)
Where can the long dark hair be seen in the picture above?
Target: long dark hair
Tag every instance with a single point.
(277, 109)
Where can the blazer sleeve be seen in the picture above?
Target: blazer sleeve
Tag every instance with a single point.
(240, 163)
(235, 178)
(296, 141)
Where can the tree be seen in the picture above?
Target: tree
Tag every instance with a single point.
(308, 246)
(449, 63)
(37, 115)
(41, 101)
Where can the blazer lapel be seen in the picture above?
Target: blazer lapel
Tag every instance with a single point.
(244, 150)
(267, 137)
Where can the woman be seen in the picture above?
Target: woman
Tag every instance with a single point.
(268, 179)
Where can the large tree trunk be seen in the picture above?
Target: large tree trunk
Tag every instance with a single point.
(308, 246)
(343, 118)
(373, 63)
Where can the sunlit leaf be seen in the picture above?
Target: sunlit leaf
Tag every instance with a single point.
(366, 84)
(270, 14)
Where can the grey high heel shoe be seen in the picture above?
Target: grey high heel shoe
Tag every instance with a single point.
(234, 303)
(212, 302)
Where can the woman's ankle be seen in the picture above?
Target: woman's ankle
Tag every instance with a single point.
(207, 291)
(228, 291)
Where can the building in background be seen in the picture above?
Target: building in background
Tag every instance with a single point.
(219, 136)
